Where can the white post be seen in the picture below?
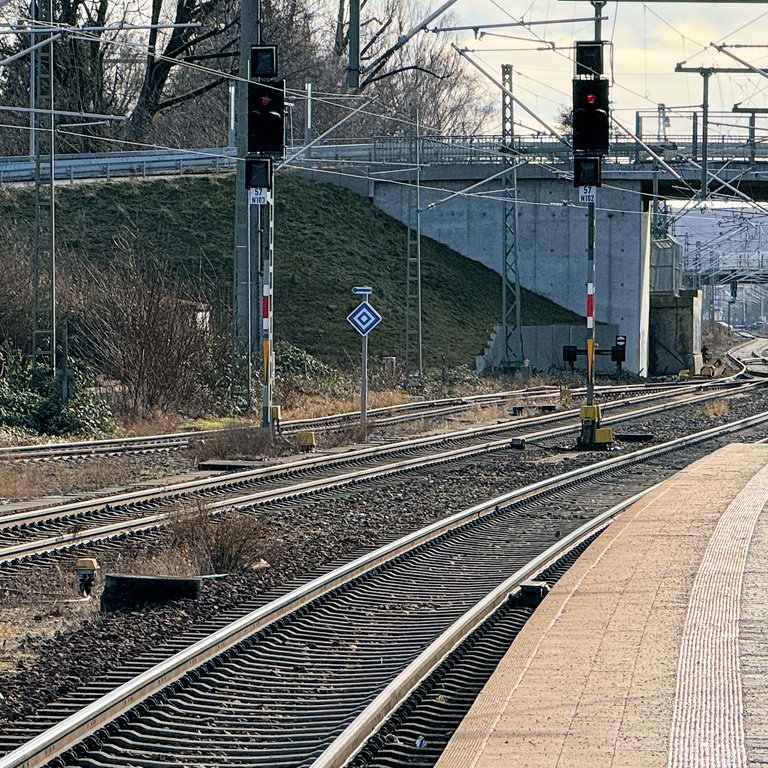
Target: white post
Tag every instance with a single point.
(364, 388)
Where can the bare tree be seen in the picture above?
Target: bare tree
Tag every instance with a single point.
(425, 73)
(170, 83)
(139, 330)
(15, 291)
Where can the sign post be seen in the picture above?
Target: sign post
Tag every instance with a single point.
(364, 318)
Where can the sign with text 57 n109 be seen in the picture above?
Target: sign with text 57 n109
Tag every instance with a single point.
(587, 194)
(259, 196)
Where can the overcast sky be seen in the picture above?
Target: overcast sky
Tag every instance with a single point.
(646, 41)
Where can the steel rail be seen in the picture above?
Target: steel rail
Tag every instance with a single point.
(355, 737)
(96, 715)
(315, 462)
(377, 417)
(85, 536)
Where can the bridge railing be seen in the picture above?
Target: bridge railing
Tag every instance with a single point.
(112, 165)
(730, 143)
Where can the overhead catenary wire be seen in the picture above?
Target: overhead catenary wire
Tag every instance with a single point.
(299, 94)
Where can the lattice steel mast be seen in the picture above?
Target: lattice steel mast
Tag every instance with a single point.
(511, 307)
(44, 241)
(413, 348)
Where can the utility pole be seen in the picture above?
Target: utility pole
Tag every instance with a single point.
(44, 245)
(245, 304)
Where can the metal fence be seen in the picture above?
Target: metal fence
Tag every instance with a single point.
(740, 143)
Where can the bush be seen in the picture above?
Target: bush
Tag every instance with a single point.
(228, 542)
(29, 400)
(299, 374)
(141, 327)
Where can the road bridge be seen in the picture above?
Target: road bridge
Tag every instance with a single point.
(663, 332)
(551, 237)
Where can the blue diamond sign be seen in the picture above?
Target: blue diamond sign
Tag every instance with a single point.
(364, 318)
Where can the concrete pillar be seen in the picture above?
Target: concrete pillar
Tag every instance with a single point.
(675, 333)
(552, 239)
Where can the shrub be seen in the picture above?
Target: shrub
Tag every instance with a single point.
(29, 401)
(714, 409)
(228, 542)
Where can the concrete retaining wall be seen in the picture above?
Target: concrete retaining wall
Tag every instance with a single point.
(543, 348)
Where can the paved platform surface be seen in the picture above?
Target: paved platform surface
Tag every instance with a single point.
(652, 651)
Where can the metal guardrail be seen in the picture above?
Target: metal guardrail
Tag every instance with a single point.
(390, 150)
(110, 165)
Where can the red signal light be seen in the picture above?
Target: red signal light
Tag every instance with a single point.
(590, 116)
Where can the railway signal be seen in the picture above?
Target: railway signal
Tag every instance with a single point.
(590, 116)
(266, 117)
(590, 142)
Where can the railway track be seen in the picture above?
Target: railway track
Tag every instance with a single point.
(377, 419)
(314, 675)
(752, 354)
(33, 533)
(513, 614)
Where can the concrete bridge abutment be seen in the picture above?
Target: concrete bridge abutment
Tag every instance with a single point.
(551, 243)
(551, 246)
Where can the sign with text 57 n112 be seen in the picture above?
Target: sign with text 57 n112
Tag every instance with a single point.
(587, 194)
(259, 196)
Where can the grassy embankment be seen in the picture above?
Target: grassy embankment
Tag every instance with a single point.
(327, 240)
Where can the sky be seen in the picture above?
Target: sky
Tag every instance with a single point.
(647, 41)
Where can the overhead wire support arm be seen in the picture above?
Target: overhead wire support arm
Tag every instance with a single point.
(31, 48)
(750, 67)
(477, 27)
(341, 122)
(514, 98)
(468, 189)
(655, 155)
(736, 192)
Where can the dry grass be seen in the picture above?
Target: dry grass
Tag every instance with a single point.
(142, 561)
(314, 406)
(480, 414)
(54, 478)
(714, 409)
(36, 611)
(13, 436)
(224, 543)
(198, 544)
(156, 424)
(352, 434)
(243, 442)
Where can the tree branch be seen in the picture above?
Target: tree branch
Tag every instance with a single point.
(404, 69)
(168, 103)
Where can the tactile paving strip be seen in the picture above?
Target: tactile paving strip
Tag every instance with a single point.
(707, 721)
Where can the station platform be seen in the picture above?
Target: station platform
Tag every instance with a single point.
(652, 650)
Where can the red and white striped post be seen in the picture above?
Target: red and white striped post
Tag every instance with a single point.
(591, 304)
